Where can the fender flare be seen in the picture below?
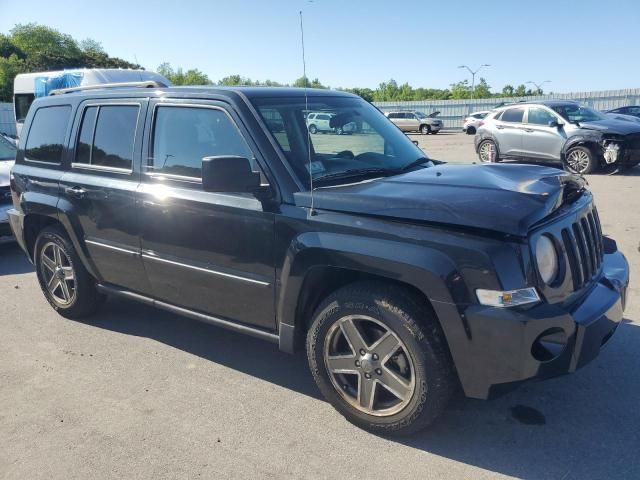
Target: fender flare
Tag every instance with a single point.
(427, 270)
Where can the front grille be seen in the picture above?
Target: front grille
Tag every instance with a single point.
(585, 251)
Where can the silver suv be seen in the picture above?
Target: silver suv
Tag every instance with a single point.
(416, 121)
(580, 138)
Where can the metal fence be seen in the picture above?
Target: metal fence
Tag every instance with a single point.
(452, 112)
(7, 119)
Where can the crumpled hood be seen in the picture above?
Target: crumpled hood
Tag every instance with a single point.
(503, 198)
(5, 169)
(612, 125)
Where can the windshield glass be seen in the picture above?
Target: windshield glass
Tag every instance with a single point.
(421, 115)
(7, 150)
(349, 138)
(578, 113)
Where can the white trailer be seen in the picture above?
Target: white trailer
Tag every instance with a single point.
(29, 86)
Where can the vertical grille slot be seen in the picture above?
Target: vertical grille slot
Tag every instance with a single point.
(584, 248)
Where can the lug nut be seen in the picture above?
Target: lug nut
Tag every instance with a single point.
(378, 371)
(362, 352)
(375, 356)
(357, 363)
(367, 375)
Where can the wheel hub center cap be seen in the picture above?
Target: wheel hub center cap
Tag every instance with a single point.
(367, 363)
(59, 273)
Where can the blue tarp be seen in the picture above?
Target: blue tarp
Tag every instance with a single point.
(43, 85)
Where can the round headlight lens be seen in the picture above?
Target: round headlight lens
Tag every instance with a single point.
(547, 259)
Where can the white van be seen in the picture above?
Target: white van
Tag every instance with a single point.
(28, 86)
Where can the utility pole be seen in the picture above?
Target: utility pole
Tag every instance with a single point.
(473, 75)
(539, 85)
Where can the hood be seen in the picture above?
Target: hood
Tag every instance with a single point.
(612, 125)
(5, 169)
(503, 198)
(434, 114)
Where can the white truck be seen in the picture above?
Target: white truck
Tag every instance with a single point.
(28, 86)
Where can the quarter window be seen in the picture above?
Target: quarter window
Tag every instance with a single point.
(539, 116)
(183, 136)
(513, 115)
(46, 135)
(107, 136)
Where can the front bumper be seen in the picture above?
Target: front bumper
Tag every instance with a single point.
(503, 348)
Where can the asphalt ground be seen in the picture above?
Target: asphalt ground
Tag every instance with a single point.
(138, 393)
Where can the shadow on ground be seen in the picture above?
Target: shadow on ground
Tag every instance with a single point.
(579, 426)
(13, 260)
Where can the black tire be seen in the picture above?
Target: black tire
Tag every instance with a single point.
(425, 129)
(587, 162)
(435, 132)
(487, 144)
(471, 131)
(401, 313)
(85, 298)
(313, 129)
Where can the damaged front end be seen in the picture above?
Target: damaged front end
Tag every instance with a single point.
(620, 152)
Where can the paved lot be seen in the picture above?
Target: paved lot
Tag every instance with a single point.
(138, 393)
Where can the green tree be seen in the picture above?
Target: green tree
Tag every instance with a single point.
(520, 91)
(460, 90)
(180, 77)
(9, 68)
(507, 91)
(482, 89)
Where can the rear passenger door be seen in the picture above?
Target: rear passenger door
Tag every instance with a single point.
(509, 132)
(98, 192)
(205, 251)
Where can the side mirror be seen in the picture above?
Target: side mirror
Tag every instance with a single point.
(229, 173)
(555, 124)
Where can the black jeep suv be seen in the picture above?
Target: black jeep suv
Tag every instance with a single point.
(402, 276)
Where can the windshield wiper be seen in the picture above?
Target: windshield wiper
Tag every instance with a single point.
(415, 163)
(354, 172)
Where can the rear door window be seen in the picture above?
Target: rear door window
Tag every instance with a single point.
(45, 142)
(107, 136)
(513, 115)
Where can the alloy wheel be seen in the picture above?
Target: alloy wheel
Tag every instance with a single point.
(57, 272)
(578, 160)
(487, 152)
(369, 366)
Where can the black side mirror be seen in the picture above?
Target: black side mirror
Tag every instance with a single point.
(229, 173)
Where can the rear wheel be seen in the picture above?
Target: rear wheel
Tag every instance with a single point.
(66, 284)
(339, 131)
(380, 358)
(471, 131)
(580, 160)
(488, 152)
(425, 129)
(313, 129)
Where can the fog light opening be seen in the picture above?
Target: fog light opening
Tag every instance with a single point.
(549, 345)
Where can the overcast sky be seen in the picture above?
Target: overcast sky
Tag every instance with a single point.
(578, 45)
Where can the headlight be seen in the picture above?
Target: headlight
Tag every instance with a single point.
(547, 259)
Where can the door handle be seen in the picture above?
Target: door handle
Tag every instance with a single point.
(77, 192)
(528, 130)
(499, 127)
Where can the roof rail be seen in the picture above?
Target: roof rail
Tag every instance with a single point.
(145, 84)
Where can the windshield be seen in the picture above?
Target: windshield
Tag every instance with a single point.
(421, 115)
(349, 138)
(578, 113)
(7, 150)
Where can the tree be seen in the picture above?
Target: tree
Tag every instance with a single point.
(9, 68)
(90, 45)
(507, 91)
(520, 91)
(304, 82)
(482, 89)
(460, 90)
(180, 77)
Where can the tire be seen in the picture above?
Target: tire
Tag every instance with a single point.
(425, 129)
(419, 367)
(313, 129)
(76, 295)
(435, 132)
(484, 152)
(339, 131)
(585, 161)
(471, 131)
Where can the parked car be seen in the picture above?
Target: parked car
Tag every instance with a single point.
(471, 122)
(632, 110)
(320, 123)
(416, 121)
(7, 158)
(578, 137)
(403, 277)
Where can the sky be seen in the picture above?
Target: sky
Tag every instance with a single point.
(577, 44)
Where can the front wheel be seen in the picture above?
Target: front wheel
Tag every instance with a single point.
(313, 129)
(488, 152)
(66, 284)
(580, 160)
(339, 131)
(380, 358)
(425, 129)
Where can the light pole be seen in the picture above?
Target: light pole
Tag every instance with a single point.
(473, 75)
(539, 85)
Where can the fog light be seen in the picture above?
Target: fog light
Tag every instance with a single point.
(549, 345)
(611, 152)
(511, 298)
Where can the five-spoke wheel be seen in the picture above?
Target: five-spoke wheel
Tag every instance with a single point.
(58, 273)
